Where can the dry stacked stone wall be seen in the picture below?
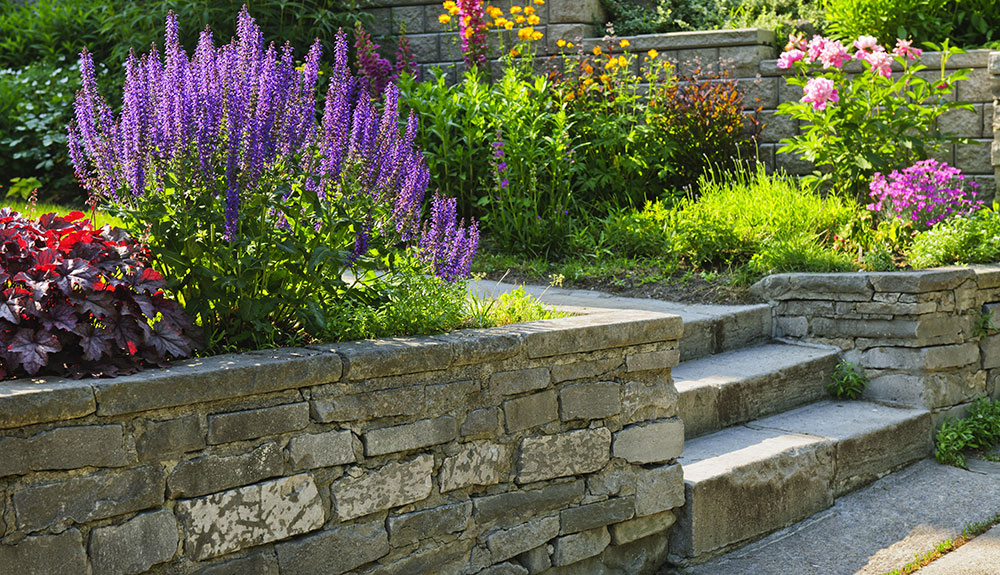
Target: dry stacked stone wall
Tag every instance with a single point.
(527, 449)
(924, 338)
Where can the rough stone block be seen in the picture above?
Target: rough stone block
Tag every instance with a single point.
(964, 123)
(254, 423)
(589, 401)
(663, 359)
(264, 563)
(744, 61)
(935, 358)
(658, 489)
(89, 497)
(211, 473)
(596, 331)
(479, 463)
(425, 47)
(570, 549)
(989, 349)
(520, 381)
(571, 453)
(172, 436)
(505, 568)
(253, 515)
(24, 402)
(321, 450)
(411, 17)
(393, 485)
(641, 527)
(572, 11)
(64, 448)
(920, 281)
(650, 443)
(373, 405)
(423, 433)
(507, 543)
(412, 527)
(838, 287)
(584, 369)
(482, 422)
(932, 390)
(134, 546)
(974, 158)
(395, 356)
(537, 560)
(450, 559)
(595, 515)
(505, 507)
(45, 555)
(530, 411)
(644, 400)
(334, 551)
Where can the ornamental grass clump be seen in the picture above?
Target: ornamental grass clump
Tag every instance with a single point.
(925, 194)
(253, 206)
(82, 301)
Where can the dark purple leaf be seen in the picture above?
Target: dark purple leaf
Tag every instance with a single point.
(101, 304)
(74, 273)
(169, 341)
(62, 316)
(95, 342)
(32, 348)
(128, 334)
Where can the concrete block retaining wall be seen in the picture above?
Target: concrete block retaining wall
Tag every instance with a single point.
(528, 449)
(914, 333)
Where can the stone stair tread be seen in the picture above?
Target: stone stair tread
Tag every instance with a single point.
(839, 420)
(714, 455)
(745, 363)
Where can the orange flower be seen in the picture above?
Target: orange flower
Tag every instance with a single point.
(444, 18)
(534, 20)
(529, 10)
(652, 54)
(515, 9)
(561, 43)
(623, 43)
(519, 19)
(597, 50)
(536, 36)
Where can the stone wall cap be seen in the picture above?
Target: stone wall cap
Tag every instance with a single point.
(692, 40)
(987, 275)
(920, 281)
(932, 60)
(40, 400)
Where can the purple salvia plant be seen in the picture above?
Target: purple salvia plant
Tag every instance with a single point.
(238, 119)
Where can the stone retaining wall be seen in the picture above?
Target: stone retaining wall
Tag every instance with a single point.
(506, 451)
(921, 336)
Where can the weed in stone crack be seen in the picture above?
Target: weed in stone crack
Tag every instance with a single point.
(847, 381)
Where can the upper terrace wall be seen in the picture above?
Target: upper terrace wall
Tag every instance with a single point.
(507, 450)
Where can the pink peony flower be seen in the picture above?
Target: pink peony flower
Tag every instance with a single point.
(819, 91)
(880, 62)
(790, 57)
(867, 44)
(834, 54)
(903, 49)
(815, 48)
(796, 42)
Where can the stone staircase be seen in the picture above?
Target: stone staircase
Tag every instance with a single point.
(765, 446)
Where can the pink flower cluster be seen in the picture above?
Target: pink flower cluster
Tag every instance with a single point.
(926, 193)
(833, 54)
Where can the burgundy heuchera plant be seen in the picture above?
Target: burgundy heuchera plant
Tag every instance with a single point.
(82, 301)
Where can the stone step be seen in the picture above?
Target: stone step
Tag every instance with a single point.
(744, 482)
(708, 329)
(742, 385)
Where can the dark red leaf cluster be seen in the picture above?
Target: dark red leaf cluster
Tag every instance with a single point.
(81, 301)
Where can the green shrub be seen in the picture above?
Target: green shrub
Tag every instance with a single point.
(631, 17)
(925, 20)
(44, 30)
(847, 381)
(979, 429)
(966, 240)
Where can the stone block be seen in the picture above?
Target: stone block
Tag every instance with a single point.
(505, 507)
(932, 390)
(652, 360)
(253, 515)
(643, 400)
(776, 127)
(964, 123)
(450, 559)
(920, 281)
(373, 405)
(211, 473)
(650, 443)
(395, 356)
(410, 18)
(584, 369)
(417, 435)
(564, 454)
(658, 489)
(264, 563)
(935, 358)
(575, 11)
(530, 411)
(596, 331)
(475, 346)
(434, 522)
(520, 381)
(478, 463)
(254, 423)
(507, 543)
(570, 549)
(989, 350)
(334, 551)
(443, 397)
(209, 379)
(29, 401)
(974, 158)
(836, 287)
(134, 546)
(482, 422)
(537, 560)
(641, 527)
(593, 515)
(589, 401)
(170, 437)
(425, 47)
(89, 497)
(976, 88)
(321, 450)
(505, 568)
(45, 555)
(393, 485)
(64, 448)
(744, 61)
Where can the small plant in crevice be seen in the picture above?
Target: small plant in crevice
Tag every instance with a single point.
(847, 381)
(984, 325)
(979, 429)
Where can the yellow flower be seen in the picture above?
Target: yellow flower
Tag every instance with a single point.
(515, 9)
(469, 32)
(534, 20)
(588, 68)
(519, 19)
(611, 63)
(588, 81)
(623, 43)
(597, 50)
(622, 62)
(570, 95)
(536, 36)
(529, 10)
(453, 10)
(569, 44)
(494, 12)
(444, 18)
(539, 2)
(525, 33)
(501, 22)
(652, 54)
(561, 43)
(508, 25)
(605, 78)
(449, 4)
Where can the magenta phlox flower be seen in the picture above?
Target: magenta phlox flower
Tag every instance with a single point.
(904, 49)
(926, 193)
(820, 91)
(789, 58)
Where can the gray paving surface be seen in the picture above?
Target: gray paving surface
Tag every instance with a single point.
(880, 528)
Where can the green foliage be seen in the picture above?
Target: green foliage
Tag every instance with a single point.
(874, 243)
(877, 125)
(45, 30)
(631, 17)
(515, 306)
(966, 240)
(846, 381)
(979, 429)
(925, 20)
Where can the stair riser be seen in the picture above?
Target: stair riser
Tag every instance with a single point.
(704, 337)
(864, 459)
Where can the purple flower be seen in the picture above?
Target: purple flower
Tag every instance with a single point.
(926, 193)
